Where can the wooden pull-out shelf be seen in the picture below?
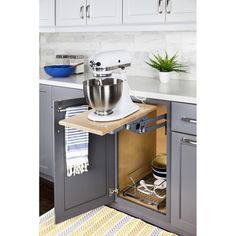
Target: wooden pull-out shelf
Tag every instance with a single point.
(82, 122)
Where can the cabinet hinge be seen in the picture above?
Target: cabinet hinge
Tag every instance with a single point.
(113, 191)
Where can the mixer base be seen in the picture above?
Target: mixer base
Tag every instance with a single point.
(116, 115)
(103, 113)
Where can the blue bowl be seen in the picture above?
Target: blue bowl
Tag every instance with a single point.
(59, 70)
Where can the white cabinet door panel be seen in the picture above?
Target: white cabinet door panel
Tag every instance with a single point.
(178, 11)
(47, 12)
(143, 12)
(104, 12)
(70, 12)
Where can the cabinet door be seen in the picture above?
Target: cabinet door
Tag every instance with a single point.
(70, 12)
(80, 193)
(47, 12)
(143, 12)
(183, 182)
(178, 11)
(104, 12)
(46, 132)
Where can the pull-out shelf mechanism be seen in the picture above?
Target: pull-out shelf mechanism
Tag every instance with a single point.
(137, 122)
(140, 126)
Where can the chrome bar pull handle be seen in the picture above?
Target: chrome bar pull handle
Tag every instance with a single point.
(168, 6)
(189, 120)
(88, 11)
(189, 141)
(82, 12)
(160, 6)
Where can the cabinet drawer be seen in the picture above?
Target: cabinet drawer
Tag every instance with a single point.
(183, 118)
(61, 93)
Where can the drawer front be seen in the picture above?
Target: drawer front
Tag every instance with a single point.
(183, 118)
(61, 93)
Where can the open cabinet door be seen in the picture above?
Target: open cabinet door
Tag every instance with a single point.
(80, 193)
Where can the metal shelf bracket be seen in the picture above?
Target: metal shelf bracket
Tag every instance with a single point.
(141, 126)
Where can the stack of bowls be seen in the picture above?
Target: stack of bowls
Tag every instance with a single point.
(159, 166)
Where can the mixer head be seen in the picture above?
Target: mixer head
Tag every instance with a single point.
(105, 63)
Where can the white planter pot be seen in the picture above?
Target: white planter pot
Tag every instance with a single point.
(164, 77)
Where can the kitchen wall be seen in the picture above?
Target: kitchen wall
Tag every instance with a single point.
(141, 45)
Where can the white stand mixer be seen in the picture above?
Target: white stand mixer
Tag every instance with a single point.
(112, 64)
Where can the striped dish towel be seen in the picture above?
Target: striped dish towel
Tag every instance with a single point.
(76, 145)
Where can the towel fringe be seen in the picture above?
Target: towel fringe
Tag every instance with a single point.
(77, 169)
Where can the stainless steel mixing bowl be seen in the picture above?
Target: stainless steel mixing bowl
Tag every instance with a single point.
(103, 94)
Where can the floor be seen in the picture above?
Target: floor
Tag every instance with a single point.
(100, 221)
(46, 193)
(46, 196)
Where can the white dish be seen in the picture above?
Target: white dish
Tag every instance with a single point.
(157, 177)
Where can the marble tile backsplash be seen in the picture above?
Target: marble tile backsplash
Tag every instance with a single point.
(140, 44)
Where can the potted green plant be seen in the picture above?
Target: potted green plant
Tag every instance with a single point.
(165, 65)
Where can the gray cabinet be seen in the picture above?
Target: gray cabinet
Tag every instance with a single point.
(61, 93)
(183, 176)
(183, 167)
(48, 94)
(81, 193)
(46, 132)
(183, 118)
(85, 192)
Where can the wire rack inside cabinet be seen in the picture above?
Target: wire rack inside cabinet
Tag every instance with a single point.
(152, 199)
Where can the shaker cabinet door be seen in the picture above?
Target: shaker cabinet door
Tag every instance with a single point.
(183, 182)
(70, 12)
(80, 193)
(180, 11)
(143, 12)
(46, 13)
(45, 132)
(104, 12)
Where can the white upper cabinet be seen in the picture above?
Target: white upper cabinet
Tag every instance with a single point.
(143, 12)
(70, 12)
(178, 11)
(47, 13)
(159, 11)
(104, 12)
(60, 15)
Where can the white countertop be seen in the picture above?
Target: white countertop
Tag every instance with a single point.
(144, 87)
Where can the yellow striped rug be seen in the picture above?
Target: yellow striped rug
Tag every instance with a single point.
(98, 222)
